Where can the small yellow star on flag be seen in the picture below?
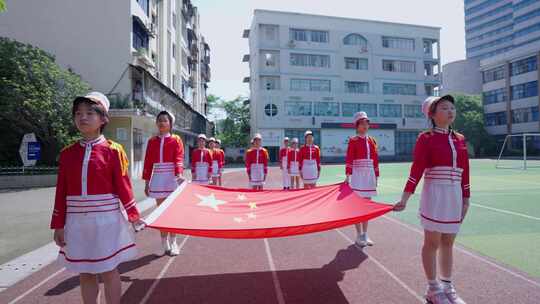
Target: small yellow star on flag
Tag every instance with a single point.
(238, 219)
(241, 197)
(252, 206)
(251, 215)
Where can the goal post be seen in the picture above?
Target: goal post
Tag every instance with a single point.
(519, 151)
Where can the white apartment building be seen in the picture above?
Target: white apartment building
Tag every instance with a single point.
(145, 55)
(314, 72)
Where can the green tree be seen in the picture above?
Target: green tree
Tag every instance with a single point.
(470, 122)
(35, 97)
(2, 5)
(234, 129)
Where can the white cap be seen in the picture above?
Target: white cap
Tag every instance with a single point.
(308, 132)
(98, 98)
(426, 105)
(285, 138)
(295, 140)
(173, 118)
(212, 139)
(360, 116)
(257, 136)
(218, 141)
(202, 136)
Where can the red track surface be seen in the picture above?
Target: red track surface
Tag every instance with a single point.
(317, 268)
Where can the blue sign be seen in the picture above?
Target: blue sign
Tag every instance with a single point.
(34, 151)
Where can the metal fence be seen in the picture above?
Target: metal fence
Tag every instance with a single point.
(28, 170)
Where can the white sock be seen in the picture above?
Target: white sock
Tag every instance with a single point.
(433, 284)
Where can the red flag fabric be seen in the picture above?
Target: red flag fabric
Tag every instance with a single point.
(211, 211)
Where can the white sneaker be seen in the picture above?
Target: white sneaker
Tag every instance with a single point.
(451, 294)
(174, 248)
(436, 296)
(361, 240)
(369, 242)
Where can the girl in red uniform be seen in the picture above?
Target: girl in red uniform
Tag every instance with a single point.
(293, 164)
(201, 162)
(215, 161)
(257, 163)
(362, 169)
(441, 156)
(310, 161)
(163, 169)
(92, 188)
(283, 154)
(221, 160)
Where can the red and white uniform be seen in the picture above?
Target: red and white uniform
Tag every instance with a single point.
(283, 154)
(201, 165)
(163, 162)
(441, 156)
(93, 189)
(362, 164)
(310, 163)
(256, 165)
(218, 161)
(293, 162)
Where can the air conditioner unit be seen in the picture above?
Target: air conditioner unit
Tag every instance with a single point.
(291, 44)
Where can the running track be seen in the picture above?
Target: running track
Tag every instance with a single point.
(315, 268)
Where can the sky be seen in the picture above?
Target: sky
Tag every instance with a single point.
(223, 21)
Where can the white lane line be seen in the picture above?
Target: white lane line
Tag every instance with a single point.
(162, 273)
(277, 285)
(391, 274)
(506, 211)
(467, 252)
(17, 299)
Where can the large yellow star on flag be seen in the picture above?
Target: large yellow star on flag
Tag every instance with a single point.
(210, 201)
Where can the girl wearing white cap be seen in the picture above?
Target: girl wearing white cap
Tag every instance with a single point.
(201, 162)
(221, 160)
(215, 159)
(283, 154)
(163, 169)
(440, 155)
(310, 161)
(362, 168)
(293, 164)
(257, 163)
(92, 190)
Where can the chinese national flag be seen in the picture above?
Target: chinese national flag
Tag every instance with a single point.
(242, 213)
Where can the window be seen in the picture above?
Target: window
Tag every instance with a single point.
(349, 109)
(413, 111)
(298, 108)
(522, 115)
(299, 133)
(490, 23)
(481, 6)
(352, 63)
(319, 36)
(174, 50)
(493, 74)
(140, 37)
(491, 33)
(489, 14)
(310, 60)
(144, 5)
(398, 43)
(270, 83)
(495, 119)
(326, 109)
(270, 110)
(431, 89)
(308, 35)
(534, 113)
(399, 89)
(315, 85)
(356, 87)
(390, 110)
(355, 39)
(269, 32)
(399, 66)
(270, 58)
(494, 96)
(523, 66)
(524, 90)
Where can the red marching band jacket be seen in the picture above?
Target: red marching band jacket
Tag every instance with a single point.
(251, 158)
(292, 156)
(357, 150)
(283, 152)
(105, 174)
(311, 152)
(219, 155)
(205, 156)
(173, 152)
(433, 149)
